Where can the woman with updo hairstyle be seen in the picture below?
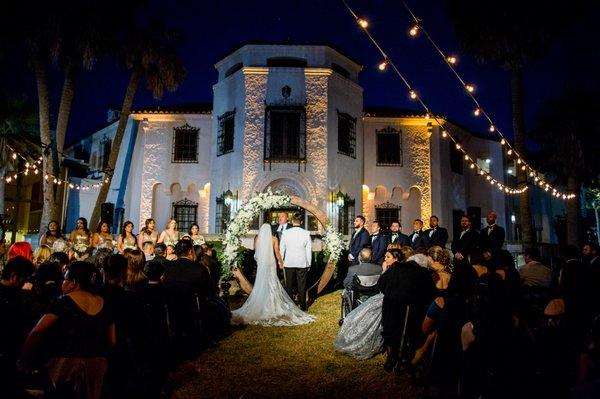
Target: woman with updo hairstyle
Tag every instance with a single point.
(440, 266)
(77, 331)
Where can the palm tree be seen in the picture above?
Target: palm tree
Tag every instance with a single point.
(570, 148)
(510, 34)
(150, 53)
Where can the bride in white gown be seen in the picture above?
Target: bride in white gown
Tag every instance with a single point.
(268, 304)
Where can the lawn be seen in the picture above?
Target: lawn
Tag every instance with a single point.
(291, 362)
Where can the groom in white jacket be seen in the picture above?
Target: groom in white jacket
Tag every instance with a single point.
(295, 248)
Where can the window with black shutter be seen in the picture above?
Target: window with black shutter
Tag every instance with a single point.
(387, 213)
(222, 215)
(185, 144)
(389, 147)
(346, 135)
(285, 134)
(226, 133)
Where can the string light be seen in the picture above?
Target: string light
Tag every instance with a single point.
(451, 59)
(383, 65)
(363, 23)
(414, 30)
(444, 134)
(477, 112)
(447, 58)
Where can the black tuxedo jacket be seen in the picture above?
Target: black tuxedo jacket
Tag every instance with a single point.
(379, 245)
(401, 239)
(421, 241)
(358, 242)
(439, 237)
(276, 226)
(465, 244)
(493, 240)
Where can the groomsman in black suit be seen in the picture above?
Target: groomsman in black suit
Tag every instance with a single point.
(379, 243)
(396, 235)
(492, 237)
(418, 239)
(437, 235)
(466, 241)
(281, 226)
(360, 239)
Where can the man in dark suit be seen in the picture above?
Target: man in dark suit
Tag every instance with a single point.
(418, 239)
(396, 235)
(364, 267)
(379, 243)
(492, 237)
(437, 235)
(281, 226)
(277, 230)
(466, 241)
(360, 239)
(189, 288)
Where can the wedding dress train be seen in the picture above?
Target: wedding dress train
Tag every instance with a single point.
(360, 335)
(268, 304)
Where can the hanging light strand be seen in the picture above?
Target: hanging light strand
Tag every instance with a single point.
(428, 114)
(450, 61)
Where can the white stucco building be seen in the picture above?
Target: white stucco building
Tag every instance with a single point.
(291, 118)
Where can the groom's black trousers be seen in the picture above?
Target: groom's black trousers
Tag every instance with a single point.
(295, 276)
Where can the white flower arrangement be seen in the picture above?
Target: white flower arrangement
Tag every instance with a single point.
(231, 254)
(80, 247)
(333, 243)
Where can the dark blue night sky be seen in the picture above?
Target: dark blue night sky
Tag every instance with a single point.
(213, 28)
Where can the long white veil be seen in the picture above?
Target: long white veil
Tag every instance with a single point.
(268, 303)
(263, 250)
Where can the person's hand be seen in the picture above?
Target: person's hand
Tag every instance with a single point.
(281, 266)
(27, 286)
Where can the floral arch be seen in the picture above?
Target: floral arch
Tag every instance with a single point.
(231, 255)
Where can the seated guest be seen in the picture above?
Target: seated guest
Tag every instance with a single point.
(148, 248)
(407, 251)
(488, 340)
(405, 286)
(364, 267)
(160, 251)
(15, 321)
(41, 254)
(209, 259)
(170, 252)
(478, 261)
(48, 282)
(445, 317)
(135, 267)
(82, 332)
(22, 248)
(61, 259)
(189, 288)
(534, 273)
(379, 243)
(440, 265)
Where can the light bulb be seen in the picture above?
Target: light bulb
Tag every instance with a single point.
(71, 185)
(509, 152)
(412, 94)
(427, 116)
(35, 171)
(477, 112)
(457, 146)
(383, 65)
(466, 157)
(472, 166)
(14, 155)
(502, 142)
(46, 177)
(492, 128)
(523, 167)
(444, 134)
(363, 23)
(470, 88)
(451, 59)
(414, 30)
(26, 164)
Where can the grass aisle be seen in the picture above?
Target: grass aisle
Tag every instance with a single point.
(259, 362)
